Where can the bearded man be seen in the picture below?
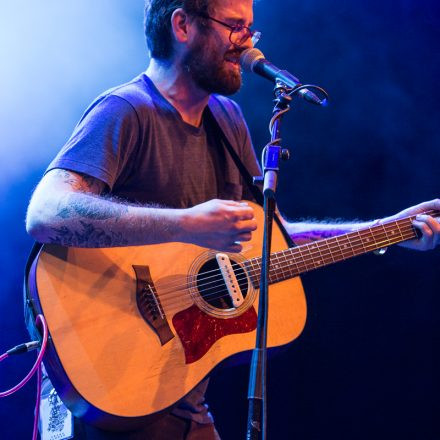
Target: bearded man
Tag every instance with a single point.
(144, 166)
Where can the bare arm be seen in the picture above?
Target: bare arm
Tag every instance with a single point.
(429, 226)
(306, 232)
(68, 208)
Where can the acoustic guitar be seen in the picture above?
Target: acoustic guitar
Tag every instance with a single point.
(134, 329)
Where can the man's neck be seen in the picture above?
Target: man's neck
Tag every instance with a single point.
(178, 88)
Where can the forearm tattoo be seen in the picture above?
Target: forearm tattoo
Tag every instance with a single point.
(88, 236)
(91, 207)
(83, 207)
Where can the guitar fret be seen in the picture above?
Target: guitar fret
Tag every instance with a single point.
(361, 240)
(376, 245)
(275, 267)
(335, 253)
(317, 259)
(295, 260)
(292, 270)
(358, 247)
(386, 235)
(368, 241)
(400, 231)
(317, 262)
(255, 272)
(330, 252)
(302, 256)
(298, 271)
(408, 224)
(286, 266)
(346, 239)
(289, 260)
(342, 250)
(396, 233)
(391, 232)
(337, 240)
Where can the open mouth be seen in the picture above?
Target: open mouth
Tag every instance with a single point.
(233, 58)
(233, 61)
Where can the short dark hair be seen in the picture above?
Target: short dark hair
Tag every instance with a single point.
(157, 22)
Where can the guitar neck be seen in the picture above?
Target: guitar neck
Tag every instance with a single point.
(295, 261)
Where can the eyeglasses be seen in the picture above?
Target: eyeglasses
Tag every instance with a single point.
(239, 33)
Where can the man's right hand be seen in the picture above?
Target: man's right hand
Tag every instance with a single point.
(219, 224)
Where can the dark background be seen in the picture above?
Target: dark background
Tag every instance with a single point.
(367, 364)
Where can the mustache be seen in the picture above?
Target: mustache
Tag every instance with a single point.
(234, 54)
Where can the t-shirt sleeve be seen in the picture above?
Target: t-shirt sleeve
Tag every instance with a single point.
(102, 142)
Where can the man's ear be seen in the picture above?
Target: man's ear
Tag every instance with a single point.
(179, 25)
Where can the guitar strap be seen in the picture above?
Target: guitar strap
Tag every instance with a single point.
(221, 138)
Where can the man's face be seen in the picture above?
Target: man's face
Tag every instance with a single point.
(213, 62)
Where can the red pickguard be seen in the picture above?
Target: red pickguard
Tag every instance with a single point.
(198, 331)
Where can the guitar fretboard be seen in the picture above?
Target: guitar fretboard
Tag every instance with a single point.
(295, 261)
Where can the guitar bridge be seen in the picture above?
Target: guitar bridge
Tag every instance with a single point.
(149, 304)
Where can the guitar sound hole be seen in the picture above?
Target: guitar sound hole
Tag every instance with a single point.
(213, 289)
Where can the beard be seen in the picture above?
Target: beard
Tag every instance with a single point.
(210, 70)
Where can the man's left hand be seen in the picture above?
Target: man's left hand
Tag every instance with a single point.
(428, 225)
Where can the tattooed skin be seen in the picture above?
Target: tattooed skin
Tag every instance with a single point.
(86, 184)
(89, 236)
(88, 206)
(73, 209)
(85, 204)
(87, 201)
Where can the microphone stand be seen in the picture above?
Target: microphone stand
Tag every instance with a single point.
(272, 154)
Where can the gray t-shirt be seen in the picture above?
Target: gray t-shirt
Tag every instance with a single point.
(136, 142)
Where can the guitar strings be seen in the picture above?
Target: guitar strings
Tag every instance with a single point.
(189, 299)
(281, 254)
(291, 272)
(311, 257)
(300, 263)
(312, 249)
(278, 264)
(313, 245)
(299, 248)
(178, 300)
(336, 239)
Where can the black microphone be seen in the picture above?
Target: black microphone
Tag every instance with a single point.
(253, 60)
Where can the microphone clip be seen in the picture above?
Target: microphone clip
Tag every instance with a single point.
(283, 94)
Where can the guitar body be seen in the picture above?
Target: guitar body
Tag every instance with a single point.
(133, 330)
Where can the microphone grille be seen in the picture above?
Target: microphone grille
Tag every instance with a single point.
(249, 57)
